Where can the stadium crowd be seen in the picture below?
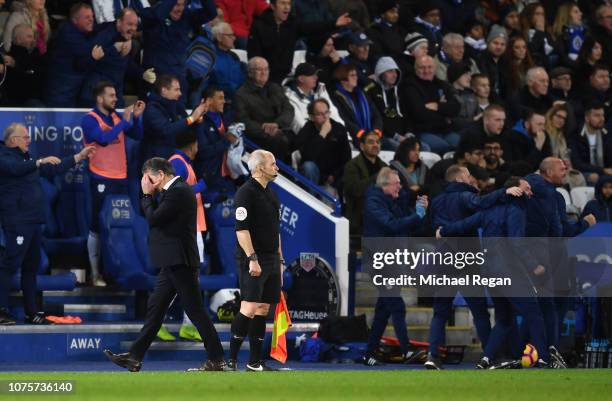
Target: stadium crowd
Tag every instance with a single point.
(498, 88)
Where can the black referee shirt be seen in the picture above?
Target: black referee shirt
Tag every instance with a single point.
(258, 211)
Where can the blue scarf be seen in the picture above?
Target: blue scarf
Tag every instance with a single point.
(361, 110)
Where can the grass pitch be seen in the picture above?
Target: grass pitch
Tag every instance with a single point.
(515, 385)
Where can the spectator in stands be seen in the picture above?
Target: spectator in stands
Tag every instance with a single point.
(482, 90)
(302, 91)
(516, 62)
(228, 73)
(386, 33)
(214, 141)
(475, 39)
(108, 10)
(489, 61)
(105, 130)
(359, 56)
(528, 140)
(34, 14)
(535, 29)
(412, 171)
(601, 206)
(468, 152)
(116, 42)
(432, 105)
(495, 165)
(509, 19)
(602, 30)
(429, 24)
(239, 14)
(24, 80)
(386, 213)
(452, 52)
(534, 96)
(456, 15)
(165, 117)
(598, 89)
(491, 125)
(590, 54)
(561, 83)
(323, 146)
(460, 77)
(22, 215)
(312, 10)
(592, 145)
(71, 57)
(166, 27)
(415, 46)
(356, 9)
(358, 112)
(265, 110)
(275, 32)
(386, 96)
(359, 173)
(325, 57)
(568, 32)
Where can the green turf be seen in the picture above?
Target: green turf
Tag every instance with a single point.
(515, 385)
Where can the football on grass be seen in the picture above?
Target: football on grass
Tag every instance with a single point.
(530, 356)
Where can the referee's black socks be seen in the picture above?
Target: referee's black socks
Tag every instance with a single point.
(257, 332)
(240, 329)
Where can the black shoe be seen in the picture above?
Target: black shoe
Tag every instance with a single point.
(5, 318)
(556, 358)
(484, 363)
(516, 364)
(259, 367)
(433, 362)
(212, 366)
(39, 318)
(124, 360)
(369, 360)
(414, 355)
(231, 363)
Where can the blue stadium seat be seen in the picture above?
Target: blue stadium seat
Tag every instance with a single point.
(220, 222)
(47, 282)
(120, 233)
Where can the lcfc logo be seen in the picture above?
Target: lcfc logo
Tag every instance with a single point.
(116, 213)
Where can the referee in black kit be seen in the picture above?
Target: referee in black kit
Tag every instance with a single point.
(169, 205)
(260, 258)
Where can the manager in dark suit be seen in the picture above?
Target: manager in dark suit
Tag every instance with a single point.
(173, 249)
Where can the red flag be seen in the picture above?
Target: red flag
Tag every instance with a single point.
(282, 322)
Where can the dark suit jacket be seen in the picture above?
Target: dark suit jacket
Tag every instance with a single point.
(172, 226)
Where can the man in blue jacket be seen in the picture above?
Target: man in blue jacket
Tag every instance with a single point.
(386, 214)
(165, 117)
(22, 215)
(228, 73)
(459, 200)
(166, 27)
(72, 57)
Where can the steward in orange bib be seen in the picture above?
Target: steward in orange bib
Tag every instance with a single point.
(108, 168)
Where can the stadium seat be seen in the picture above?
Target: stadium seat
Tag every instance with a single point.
(570, 208)
(386, 155)
(354, 153)
(299, 57)
(429, 158)
(296, 157)
(581, 195)
(45, 281)
(342, 53)
(242, 55)
(449, 155)
(220, 220)
(121, 233)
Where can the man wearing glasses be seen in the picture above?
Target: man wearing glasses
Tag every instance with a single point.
(22, 216)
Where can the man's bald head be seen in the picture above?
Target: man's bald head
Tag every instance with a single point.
(23, 35)
(553, 170)
(425, 68)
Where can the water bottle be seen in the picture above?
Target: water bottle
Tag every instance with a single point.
(588, 355)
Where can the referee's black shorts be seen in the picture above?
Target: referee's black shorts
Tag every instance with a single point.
(265, 288)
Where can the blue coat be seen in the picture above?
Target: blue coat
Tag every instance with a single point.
(543, 219)
(112, 67)
(163, 120)
(228, 73)
(22, 200)
(459, 200)
(600, 207)
(385, 217)
(211, 149)
(69, 62)
(166, 41)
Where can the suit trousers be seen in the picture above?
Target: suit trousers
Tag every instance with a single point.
(181, 280)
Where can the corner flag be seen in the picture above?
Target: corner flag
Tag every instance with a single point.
(282, 322)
